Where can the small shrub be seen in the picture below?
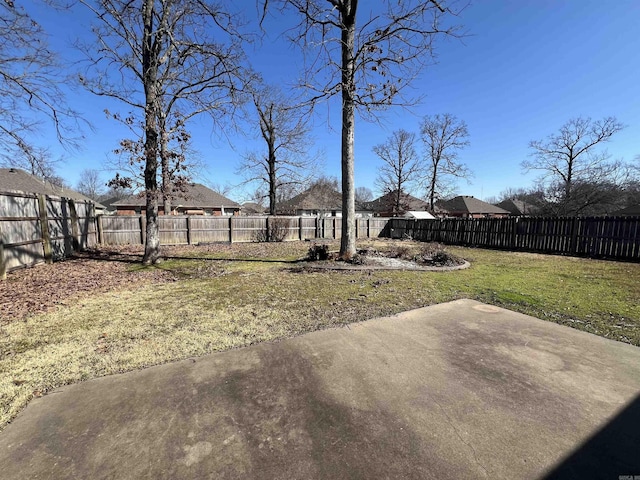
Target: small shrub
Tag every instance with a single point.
(318, 252)
(357, 259)
(434, 254)
(276, 232)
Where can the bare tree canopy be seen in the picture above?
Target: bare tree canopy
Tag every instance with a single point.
(571, 163)
(90, 184)
(400, 169)
(443, 136)
(168, 60)
(31, 99)
(363, 194)
(285, 161)
(367, 57)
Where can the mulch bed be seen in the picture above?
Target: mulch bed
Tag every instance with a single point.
(43, 287)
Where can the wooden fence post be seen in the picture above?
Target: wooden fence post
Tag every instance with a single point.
(73, 214)
(3, 264)
(300, 234)
(100, 229)
(514, 233)
(189, 229)
(268, 232)
(333, 223)
(574, 235)
(231, 228)
(44, 228)
(143, 228)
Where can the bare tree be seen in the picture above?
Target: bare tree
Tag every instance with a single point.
(90, 183)
(223, 189)
(570, 157)
(400, 167)
(30, 95)
(286, 160)
(174, 60)
(363, 194)
(367, 58)
(443, 136)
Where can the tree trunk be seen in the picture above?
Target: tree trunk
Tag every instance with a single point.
(348, 241)
(149, 73)
(164, 167)
(432, 189)
(272, 178)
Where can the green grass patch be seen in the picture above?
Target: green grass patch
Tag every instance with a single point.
(232, 296)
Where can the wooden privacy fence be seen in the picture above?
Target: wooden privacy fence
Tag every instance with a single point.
(40, 228)
(609, 237)
(192, 229)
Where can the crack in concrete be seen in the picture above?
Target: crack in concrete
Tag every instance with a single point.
(455, 429)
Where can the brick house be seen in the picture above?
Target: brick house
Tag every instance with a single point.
(197, 200)
(320, 200)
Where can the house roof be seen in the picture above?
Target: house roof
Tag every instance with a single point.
(16, 180)
(518, 207)
(632, 210)
(196, 196)
(470, 205)
(387, 201)
(318, 197)
(252, 207)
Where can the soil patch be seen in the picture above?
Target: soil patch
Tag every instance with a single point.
(43, 287)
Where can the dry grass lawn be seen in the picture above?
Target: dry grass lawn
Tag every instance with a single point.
(211, 298)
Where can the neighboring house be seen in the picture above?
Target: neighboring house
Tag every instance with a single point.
(518, 207)
(197, 200)
(466, 206)
(320, 200)
(252, 208)
(109, 205)
(385, 206)
(16, 180)
(632, 211)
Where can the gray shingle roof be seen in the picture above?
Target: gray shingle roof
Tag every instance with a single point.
(387, 201)
(518, 207)
(16, 180)
(318, 197)
(196, 196)
(253, 208)
(471, 205)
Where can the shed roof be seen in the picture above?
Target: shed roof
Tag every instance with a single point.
(419, 214)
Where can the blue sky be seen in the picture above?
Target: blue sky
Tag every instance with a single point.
(525, 68)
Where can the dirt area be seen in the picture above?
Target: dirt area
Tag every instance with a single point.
(43, 287)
